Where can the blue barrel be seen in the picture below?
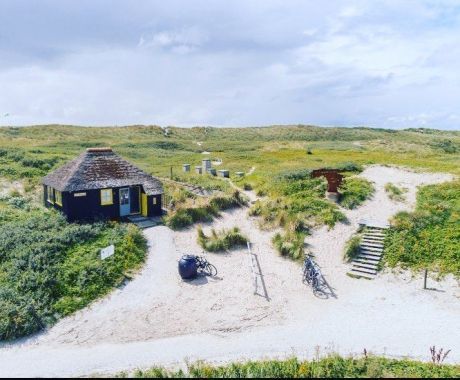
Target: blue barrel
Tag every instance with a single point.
(187, 267)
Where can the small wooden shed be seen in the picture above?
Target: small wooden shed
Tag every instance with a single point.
(101, 184)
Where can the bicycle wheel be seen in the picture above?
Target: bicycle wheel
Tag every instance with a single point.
(315, 283)
(210, 270)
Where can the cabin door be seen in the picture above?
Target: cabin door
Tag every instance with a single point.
(125, 204)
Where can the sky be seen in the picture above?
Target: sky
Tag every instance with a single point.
(388, 64)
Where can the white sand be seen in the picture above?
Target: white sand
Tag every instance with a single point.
(158, 319)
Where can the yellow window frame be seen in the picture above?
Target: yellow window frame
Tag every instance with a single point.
(58, 197)
(49, 195)
(106, 197)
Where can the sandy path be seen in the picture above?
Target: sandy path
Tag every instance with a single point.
(158, 319)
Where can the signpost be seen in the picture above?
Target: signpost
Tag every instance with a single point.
(107, 251)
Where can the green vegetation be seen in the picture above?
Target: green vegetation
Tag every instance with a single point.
(354, 191)
(294, 201)
(221, 240)
(290, 244)
(430, 236)
(50, 268)
(352, 247)
(192, 209)
(330, 367)
(395, 193)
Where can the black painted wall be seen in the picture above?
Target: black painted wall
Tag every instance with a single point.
(89, 207)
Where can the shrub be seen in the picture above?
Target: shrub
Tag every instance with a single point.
(186, 216)
(447, 146)
(222, 240)
(394, 192)
(290, 244)
(352, 248)
(51, 268)
(354, 191)
(428, 237)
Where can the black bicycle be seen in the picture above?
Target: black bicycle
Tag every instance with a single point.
(312, 274)
(204, 267)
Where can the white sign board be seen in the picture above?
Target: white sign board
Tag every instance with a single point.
(107, 251)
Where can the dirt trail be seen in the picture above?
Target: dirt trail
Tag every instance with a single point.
(158, 319)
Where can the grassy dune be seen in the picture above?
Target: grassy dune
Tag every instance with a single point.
(56, 276)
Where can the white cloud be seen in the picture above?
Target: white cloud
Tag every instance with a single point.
(391, 64)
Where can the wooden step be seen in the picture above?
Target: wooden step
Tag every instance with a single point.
(372, 266)
(368, 248)
(377, 236)
(358, 273)
(372, 242)
(365, 270)
(372, 237)
(379, 248)
(369, 255)
(367, 260)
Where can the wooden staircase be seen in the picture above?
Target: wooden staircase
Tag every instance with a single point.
(366, 264)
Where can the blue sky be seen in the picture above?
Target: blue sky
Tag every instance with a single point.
(392, 64)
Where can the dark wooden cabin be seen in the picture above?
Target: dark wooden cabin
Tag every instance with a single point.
(99, 184)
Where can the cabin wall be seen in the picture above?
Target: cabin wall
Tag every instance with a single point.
(76, 207)
(154, 205)
(53, 204)
(89, 207)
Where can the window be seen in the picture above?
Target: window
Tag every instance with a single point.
(154, 200)
(79, 194)
(58, 197)
(49, 194)
(106, 197)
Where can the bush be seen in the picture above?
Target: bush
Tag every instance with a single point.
(290, 244)
(394, 192)
(354, 191)
(352, 248)
(222, 240)
(428, 237)
(51, 268)
(184, 217)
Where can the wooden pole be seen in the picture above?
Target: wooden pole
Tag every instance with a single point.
(170, 172)
(424, 280)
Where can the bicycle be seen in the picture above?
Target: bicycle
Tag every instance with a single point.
(312, 274)
(204, 267)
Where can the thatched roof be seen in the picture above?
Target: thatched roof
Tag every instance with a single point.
(100, 168)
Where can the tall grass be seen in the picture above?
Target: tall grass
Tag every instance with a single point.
(333, 366)
(203, 210)
(395, 193)
(221, 240)
(352, 248)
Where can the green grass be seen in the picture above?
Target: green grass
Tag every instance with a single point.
(223, 240)
(395, 193)
(290, 244)
(429, 237)
(333, 366)
(354, 191)
(279, 153)
(191, 210)
(352, 247)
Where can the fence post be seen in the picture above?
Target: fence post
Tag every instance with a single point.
(424, 280)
